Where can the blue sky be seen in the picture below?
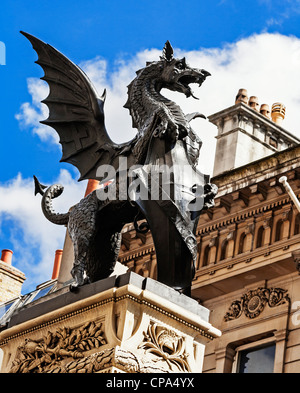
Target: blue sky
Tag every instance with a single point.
(109, 38)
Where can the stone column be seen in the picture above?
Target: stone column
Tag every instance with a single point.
(224, 359)
(280, 336)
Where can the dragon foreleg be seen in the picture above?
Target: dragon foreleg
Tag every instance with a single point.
(166, 127)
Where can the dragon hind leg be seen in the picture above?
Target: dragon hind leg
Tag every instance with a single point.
(103, 254)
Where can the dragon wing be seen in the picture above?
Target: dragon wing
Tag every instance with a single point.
(75, 112)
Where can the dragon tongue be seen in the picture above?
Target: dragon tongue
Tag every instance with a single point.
(192, 94)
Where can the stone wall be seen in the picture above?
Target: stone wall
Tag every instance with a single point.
(11, 280)
(246, 317)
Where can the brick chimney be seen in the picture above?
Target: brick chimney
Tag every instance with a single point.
(11, 278)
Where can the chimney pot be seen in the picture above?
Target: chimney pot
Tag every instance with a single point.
(6, 256)
(278, 113)
(91, 186)
(57, 262)
(242, 96)
(265, 110)
(253, 103)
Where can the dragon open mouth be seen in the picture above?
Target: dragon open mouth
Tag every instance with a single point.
(198, 77)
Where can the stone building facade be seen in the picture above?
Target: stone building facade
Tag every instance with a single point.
(247, 271)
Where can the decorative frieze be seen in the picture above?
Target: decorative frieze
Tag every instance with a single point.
(161, 350)
(252, 303)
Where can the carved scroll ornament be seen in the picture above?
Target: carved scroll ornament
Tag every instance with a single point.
(254, 302)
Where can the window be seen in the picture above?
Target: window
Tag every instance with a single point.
(36, 294)
(260, 237)
(279, 229)
(42, 292)
(242, 243)
(297, 225)
(5, 307)
(224, 250)
(255, 359)
(205, 256)
(6, 310)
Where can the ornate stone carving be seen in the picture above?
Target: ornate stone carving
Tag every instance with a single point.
(253, 302)
(102, 361)
(44, 355)
(166, 345)
(112, 359)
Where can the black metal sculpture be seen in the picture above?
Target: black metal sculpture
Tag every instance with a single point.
(152, 177)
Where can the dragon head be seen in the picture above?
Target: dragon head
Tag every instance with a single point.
(177, 75)
(169, 73)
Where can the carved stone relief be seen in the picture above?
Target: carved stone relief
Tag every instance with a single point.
(167, 346)
(43, 355)
(254, 302)
(102, 361)
(66, 351)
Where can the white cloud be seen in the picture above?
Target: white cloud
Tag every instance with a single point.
(34, 238)
(281, 11)
(96, 69)
(267, 65)
(32, 113)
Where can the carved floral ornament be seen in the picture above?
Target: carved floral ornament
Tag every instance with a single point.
(254, 302)
(166, 345)
(68, 350)
(43, 355)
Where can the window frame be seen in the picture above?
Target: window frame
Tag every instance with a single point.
(253, 345)
(15, 302)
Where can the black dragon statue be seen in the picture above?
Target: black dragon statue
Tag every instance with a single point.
(151, 179)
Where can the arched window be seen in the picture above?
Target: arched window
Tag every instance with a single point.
(279, 228)
(297, 225)
(224, 249)
(205, 256)
(242, 243)
(140, 272)
(260, 236)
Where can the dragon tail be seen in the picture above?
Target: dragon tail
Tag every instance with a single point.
(56, 218)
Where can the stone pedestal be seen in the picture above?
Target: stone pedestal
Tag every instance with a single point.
(124, 324)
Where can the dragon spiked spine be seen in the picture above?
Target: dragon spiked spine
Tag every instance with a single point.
(164, 137)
